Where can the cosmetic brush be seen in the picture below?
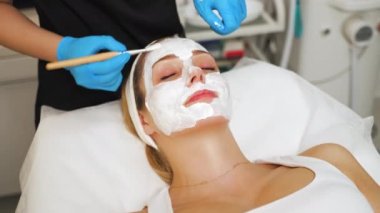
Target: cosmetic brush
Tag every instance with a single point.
(95, 58)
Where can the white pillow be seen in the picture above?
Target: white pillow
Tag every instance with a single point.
(86, 161)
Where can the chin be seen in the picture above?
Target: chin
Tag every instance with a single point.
(211, 122)
(215, 120)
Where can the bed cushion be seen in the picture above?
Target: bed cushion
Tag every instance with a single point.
(86, 161)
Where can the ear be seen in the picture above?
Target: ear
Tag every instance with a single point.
(148, 128)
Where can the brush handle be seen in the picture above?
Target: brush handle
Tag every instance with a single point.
(82, 60)
(92, 58)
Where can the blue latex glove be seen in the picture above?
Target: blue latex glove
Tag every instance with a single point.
(104, 75)
(232, 12)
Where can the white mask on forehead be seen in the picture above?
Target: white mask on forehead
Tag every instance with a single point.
(165, 101)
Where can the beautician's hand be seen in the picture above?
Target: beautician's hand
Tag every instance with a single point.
(232, 12)
(104, 75)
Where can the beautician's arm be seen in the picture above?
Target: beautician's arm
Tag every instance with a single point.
(17, 32)
(22, 35)
(341, 158)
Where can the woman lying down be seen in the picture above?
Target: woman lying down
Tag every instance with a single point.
(179, 105)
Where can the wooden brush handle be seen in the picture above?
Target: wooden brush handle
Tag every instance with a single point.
(82, 60)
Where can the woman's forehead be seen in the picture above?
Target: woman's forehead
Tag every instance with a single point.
(180, 47)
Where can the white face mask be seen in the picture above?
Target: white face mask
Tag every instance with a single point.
(165, 101)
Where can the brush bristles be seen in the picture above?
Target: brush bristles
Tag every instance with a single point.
(154, 47)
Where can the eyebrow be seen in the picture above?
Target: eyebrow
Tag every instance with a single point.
(195, 52)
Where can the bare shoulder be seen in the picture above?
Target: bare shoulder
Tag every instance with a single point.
(340, 157)
(335, 154)
(326, 149)
(343, 159)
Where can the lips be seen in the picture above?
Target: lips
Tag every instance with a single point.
(201, 95)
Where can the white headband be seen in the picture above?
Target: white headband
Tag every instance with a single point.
(132, 108)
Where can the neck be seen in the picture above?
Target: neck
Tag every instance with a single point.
(202, 155)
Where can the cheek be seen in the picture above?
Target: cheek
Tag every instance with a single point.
(166, 94)
(217, 80)
(220, 85)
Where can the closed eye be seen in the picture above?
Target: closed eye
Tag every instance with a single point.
(209, 69)
(167, 77)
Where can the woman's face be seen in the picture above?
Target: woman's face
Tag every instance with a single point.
(184, 88)
(170, 68)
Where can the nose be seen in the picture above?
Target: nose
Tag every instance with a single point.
(196, 75)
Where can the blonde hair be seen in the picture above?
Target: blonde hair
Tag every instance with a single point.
(155, 158)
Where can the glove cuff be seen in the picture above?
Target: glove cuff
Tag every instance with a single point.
(62, 47)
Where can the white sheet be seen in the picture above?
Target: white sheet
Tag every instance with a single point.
(86, 161)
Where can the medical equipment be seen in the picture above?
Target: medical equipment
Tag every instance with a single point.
(355, 5)
(339, 36)
(358, 31)
(270, 36)
(265, 23)
(95, 58)
(260, 21)
(233, 49)
(218, 14)
(86, 161)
